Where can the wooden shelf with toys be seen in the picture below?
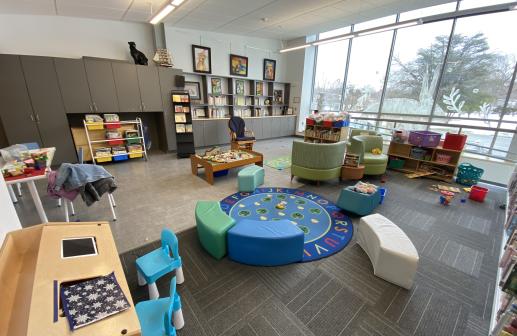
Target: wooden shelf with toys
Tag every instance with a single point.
(435, 162)
(327, 128)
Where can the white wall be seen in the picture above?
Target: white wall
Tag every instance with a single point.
(72, 37)
(179, 42)
(8, 218)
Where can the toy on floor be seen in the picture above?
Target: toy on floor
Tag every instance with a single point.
(365, 188)
(446, 197)
(376, 151)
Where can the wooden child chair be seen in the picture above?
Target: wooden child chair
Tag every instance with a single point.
(241, 137)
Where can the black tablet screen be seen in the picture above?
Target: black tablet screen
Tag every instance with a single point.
(78, 247)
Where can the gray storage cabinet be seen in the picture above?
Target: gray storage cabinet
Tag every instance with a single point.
(73, 84)
(16, 111)
(126, 83)
(48, 108)
(102, 86)
(149, 85)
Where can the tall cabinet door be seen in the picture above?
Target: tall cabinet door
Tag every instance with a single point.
(73, 83)
(149, 88)
(47, 104)
(126, 83)
(102, 85)
(15, 105)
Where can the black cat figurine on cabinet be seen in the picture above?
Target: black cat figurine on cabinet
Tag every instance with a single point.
(137, 55)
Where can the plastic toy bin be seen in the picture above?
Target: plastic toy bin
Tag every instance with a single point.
(478, 194)
(468, 174)
(396, 163)
(424, 138)
(454, 141)
(97, 125)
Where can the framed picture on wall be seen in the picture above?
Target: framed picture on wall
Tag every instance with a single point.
(259, 88)
(202, 59)
(217, 88)
(239, 87)
(194, 89)
(238, 65)
(269, 69)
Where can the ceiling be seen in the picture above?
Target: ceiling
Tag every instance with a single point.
(279, 19)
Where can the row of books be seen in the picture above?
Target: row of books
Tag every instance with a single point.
(181, 109)
(180, 98)
(217, 101)
(183, 128)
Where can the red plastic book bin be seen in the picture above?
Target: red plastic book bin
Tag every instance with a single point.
(116, 142)
(327, 123)
(478, 194)
(309, 121)
(112, 125)
(454, 141)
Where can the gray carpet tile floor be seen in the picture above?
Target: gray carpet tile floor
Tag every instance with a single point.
(452, 296)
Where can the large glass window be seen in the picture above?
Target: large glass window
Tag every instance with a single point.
(330, 72)
(456, 85)
(415, 68)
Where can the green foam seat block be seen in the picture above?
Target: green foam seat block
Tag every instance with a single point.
(212, 224)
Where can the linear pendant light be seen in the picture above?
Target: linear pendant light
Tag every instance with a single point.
(165, 10)
(390, 27)
(295, 48)
(335, 39)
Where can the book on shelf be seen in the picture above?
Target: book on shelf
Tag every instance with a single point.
(188, 128)
(180, 117)
(215, 112)
(217, 101)
(180, 128)
(179, 98)
(199, 113)
(351, 160)
(278, 96)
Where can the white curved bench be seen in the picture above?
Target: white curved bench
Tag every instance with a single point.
(393, 255)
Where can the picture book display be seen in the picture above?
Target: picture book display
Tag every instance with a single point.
(92, 300)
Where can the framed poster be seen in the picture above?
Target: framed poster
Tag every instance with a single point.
(217, 88)
(201, 59)
(238, 65)
(259, 88)
(269, 69)
(239, 87)
(194, 89)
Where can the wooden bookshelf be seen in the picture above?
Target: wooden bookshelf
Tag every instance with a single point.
(323, 134)
(246, 103)
(443, 171)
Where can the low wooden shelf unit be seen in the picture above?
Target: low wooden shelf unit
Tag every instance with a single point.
(443, 171)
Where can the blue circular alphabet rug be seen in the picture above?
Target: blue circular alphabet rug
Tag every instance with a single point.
(327, 229)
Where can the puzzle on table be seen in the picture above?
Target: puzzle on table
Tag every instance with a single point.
(327, 229)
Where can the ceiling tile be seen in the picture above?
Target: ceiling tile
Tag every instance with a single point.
(113, 4)
(90, 12)
(36, 7)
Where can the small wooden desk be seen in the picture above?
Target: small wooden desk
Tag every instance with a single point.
(211, 167)
(30, 262)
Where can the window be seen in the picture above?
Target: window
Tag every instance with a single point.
(415, 68)
(330, 72)
(478, 68)
(456, 85)
(366, 72)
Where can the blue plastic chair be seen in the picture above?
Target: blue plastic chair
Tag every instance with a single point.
(161, 317)
(159, 262)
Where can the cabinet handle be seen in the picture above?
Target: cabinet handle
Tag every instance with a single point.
(32, 117)
(143, 107)
(91, 108)
(37, 118)
(95, 107)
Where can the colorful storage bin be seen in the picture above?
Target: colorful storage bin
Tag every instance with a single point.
(135, 155)
(310, 121)
(103, 159)
(395, 163)
(119, 157)
(424, 138)
(454, 141)
(478, 194)
(443, 158)
(468, 174)
(112, 125)
(97, 125)
(418, 153)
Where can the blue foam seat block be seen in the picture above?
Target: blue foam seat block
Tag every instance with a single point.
(265, 243)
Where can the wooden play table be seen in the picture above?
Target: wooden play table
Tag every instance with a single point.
(212, 167)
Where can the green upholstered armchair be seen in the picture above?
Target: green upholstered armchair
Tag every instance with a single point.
(358, 131)
(317, 161)
(362, 145)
